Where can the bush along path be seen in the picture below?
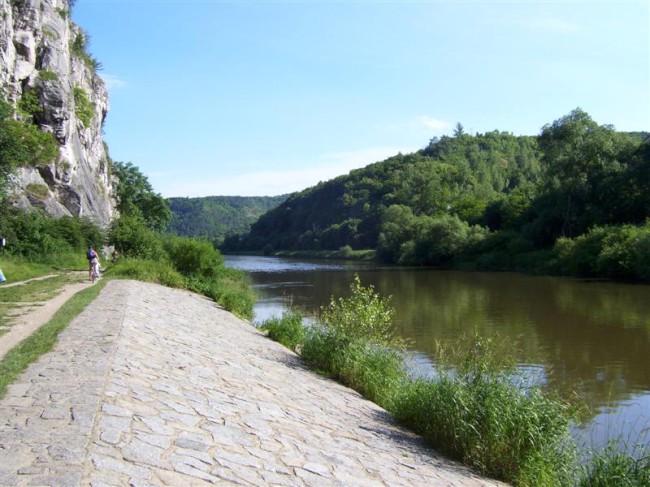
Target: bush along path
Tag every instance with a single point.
(157, 386)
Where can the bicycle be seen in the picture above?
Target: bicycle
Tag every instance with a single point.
(94, 273)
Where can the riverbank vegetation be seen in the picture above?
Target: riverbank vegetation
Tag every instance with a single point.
(37, 244)
(179, 262)
(573, 200)
(477, 409)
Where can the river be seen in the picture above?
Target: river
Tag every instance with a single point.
(590, 338)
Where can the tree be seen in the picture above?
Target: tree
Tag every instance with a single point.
(135, 197)
(583, 163)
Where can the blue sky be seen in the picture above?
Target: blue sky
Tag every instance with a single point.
(259, 98)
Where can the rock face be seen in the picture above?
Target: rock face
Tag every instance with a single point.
(43, 61)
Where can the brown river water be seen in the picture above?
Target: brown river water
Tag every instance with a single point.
(590, 338)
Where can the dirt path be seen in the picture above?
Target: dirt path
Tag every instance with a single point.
(22, 283)
(27, 323)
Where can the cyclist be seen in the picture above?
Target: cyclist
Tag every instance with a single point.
(93, 260)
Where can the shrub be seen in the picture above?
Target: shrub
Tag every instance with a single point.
(364, 315)
(38, 191)
(133, 239)
(623, 250)
(441, 239)
(192, 256)
(148, 270)
(48, 75)
(22, 144)
(288, 330)
(84, 109)
(346, 251)
(642, 258)
(612, 251)
(355, 343)
(79, 47)
(29, 103)
(58, 243)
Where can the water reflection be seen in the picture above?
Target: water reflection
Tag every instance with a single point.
(592, 338)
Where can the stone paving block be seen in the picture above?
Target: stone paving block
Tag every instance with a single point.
(139, 452)
(161, 441)
(18, 389)
(117, 465)
(66, 479)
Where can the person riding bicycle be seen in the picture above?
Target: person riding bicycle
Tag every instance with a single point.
(93, 260)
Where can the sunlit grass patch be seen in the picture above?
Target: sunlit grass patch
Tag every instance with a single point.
(287, 330)
(612, 468)
(34, 291)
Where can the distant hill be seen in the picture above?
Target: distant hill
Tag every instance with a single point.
(461, 174)
(488, 198)
(215, 217)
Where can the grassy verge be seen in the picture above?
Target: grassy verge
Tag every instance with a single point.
(42, 340)
(226, 286)
(35, 290)
(472, 411)
(20, 268)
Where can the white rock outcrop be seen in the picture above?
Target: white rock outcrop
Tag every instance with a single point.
(37, 59)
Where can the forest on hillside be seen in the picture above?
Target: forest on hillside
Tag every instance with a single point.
(216, 217)
(574, 199)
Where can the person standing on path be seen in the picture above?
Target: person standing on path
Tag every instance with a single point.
(91, 255)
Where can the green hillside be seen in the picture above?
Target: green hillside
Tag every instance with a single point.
(215, 217)
(492, 200)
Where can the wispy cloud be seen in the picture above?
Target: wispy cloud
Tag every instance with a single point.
(433, 124)
(552, 24)
(270, 183)
(113, 82)
(425, 124)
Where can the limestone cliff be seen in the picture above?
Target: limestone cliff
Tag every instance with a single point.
(44, 64)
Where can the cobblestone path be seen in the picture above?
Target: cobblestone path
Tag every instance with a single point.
(152, 386)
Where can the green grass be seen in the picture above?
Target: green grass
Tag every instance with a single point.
(489, 424)
(288, 330)
(35, 291)
(227, 286)
(43, 339)
(611, 468)
(18, 268)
